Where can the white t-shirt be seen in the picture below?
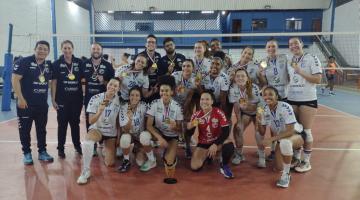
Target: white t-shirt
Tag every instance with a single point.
(188, 84)
(299, 88)
(278, 120)
(276, 74)
(106, 123)
(130, 80)
(202, 66)
(138, 119)
(220, 83)
(235, 94)
(160, 114)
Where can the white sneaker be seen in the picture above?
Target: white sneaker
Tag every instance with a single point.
(84, 176)
(261, 163)
(284, 181)
(238, 158)
(303, 167)
(148, 165)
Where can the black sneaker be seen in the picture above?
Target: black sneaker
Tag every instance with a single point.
(125, 166)
(61, 154)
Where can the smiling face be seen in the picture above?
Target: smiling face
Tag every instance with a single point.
(67, 50)
(187, 68)
(241, 78)
(134, 97)
(112, 87)
(165, 93)
(206, 101)
(215, 67)
(215, 46)
(96, 51)
(296, 46)
(271, 48)
(150, 44)
(270, 97)
(41, 51)
(247, 55)
(199, 49)
(140, 63)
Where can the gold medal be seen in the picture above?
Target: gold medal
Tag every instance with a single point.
(294, 64)
(42, 78)
(167, 120)
(198, 77)
(181, 89)
(260, 110)
(71, 77)
(242, 101)
(263, 64)
(154, 66)
(195, 122)
(124, 74)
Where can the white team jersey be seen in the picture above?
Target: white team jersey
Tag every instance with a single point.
(188, 84)
(251, 68)
(278, 120)
(161, 113)
(138, 119)
(299, 88)
(106, 123)
(220, 83)
(130, 79)
(276, 74)
(235, 94)
(202, 66)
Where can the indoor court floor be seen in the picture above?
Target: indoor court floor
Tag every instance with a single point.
(334, 174)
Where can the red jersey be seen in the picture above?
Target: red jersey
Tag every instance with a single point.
(210, 124)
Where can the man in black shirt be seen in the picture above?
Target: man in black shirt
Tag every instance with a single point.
(172, 61)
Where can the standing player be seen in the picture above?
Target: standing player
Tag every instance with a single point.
(134, 75)
(172, 61)
(30, 80)
(164, 123)
(67, 96)
(103, 112)
(279, 116)
(153, 58)
(202, 64)
(213, 133)
(245, 96)
(184, 93)
(330, 75)
(132, 123)
(273, 71)
(97, 73)
(305, 73)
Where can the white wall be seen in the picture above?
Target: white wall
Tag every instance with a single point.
(33, 17)
(347, 18)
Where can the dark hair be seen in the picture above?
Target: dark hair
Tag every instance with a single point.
(117, 79)
(67, 42)
(249, 47)
(219, 54)
(96, 43)
(269, 87)
(145, 69)
(168, 39)
(167, 80)
(214, 40)
(331, 57)
(42, 42)
(189, 60)
(209, 92)
(106, 56)
(151, 36)
(126, 55)
(296, 37)
(136, 88)
(219, 59)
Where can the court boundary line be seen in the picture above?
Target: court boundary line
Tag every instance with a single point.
(342, 112)
(9, 120)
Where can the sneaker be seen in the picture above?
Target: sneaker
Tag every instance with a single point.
(226, 171)
(125, 166)
(271, 156)
(148, 165)
(284, 181)
(188, 153)
(332, 93)
(44, 156)
(261, 163)
(61, 154)
(238, 158)
(295, 163)
(84, 177)
(323, 91)
(303, 167)
(78, 150)
(95, 153)
(28, 159)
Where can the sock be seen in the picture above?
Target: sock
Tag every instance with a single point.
(88, 148)
(227, 152)
(286, 168)
(273, 146)
(151, 156)
(297, 154)
(127, 157)
(261, 154)
(307, 155)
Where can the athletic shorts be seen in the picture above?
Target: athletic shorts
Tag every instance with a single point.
(204, 146)
(313, 104)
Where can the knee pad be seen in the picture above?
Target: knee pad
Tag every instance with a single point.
(309, 137)
(286, 147)
(125, 141)
(145, 138)
(298, 127)
(259, 138)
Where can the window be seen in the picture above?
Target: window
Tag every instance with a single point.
(147, 27)
(259, 24)
(293, 24)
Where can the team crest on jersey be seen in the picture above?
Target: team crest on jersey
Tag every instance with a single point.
(76, 69)
(214, 123)
(101, 71)
(46, 69)
(88, 65)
